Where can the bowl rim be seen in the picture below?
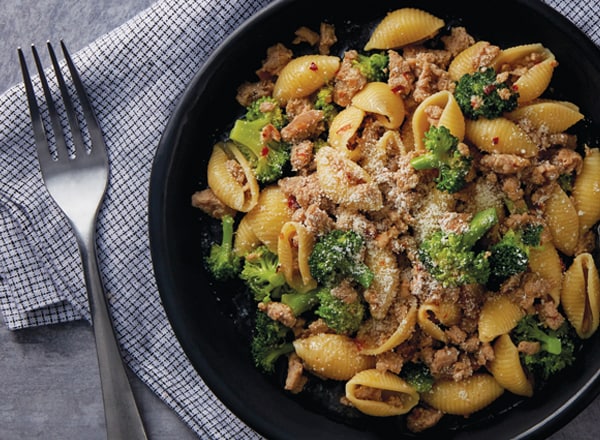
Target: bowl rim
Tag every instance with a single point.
(162, 166)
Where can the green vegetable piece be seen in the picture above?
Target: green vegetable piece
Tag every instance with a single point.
(337, 255)
(510, 256)
(443, 154)
(418, 376)
(557, 347)
(300, 302)
(451, 258)
(373, 66)
(341, 316)
(222, 261)
(267, 155)
(479, 94)
(270, 341)
(261, 274)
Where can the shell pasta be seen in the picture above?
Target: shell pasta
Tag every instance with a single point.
(417, 237)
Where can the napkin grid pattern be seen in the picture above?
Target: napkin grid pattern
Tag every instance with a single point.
(134, 76)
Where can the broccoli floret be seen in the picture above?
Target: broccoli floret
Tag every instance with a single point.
(341, 316)
(418, 376)
(443, 154)
(300, 302)
(261, 274)
(566, 182)
(324, 102)
(451, 258)
(510, 256)
(479, 94)
(337, 255)
(269, 342)
(222, 261)
(266, 107)
(254, 135)
(557, 347)
(374, 66)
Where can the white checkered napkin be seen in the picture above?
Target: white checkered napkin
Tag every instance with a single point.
(134, 76)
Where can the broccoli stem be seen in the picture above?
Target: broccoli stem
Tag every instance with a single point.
(548, 343)
(275, 353)
(479, 225)
(227, 238)
(249, 134)
(426, 161)
(299, 302)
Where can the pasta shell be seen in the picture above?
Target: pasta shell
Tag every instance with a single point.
(245, 239)
(466, 62)
(586, 191)
(332, 356)
(241, 196)
(431, 317)
(500, 135)
(402, 27)
(562, 220)
(507, 369)
(293, 248)
(304, 75)
(395, 396)
(463, 397)
(431, 211)
(376, 155)
(580, 296)
(537, 77)
(407, 135)
(535, 81)
(378, 98)
(554, 116)
(269, 215)
(498, 315)
(343, 128)
(404, 330)
(515, 55)
(390, 143)
(345, 182)
(451, 117)
(386, 280)
(545, 261)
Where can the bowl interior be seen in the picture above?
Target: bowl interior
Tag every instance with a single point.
(211, 319)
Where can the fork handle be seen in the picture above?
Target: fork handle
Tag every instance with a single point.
(123, 420)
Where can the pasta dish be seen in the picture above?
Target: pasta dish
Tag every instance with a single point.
(414, 218)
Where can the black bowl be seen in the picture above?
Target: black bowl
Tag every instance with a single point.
(210, 319)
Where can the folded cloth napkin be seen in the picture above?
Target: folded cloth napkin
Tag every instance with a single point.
(134, 76)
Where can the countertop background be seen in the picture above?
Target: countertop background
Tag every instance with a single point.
(49, 384)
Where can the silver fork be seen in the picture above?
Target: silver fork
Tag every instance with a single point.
(77, 181)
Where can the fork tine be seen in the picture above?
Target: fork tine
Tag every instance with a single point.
(97, 139)
(61, 146)
(39, 131)
(70, 110)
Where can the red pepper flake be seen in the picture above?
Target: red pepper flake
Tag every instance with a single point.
(313, 66)
(359, 344)
(495, 140)
(515, 87)
(489, 88)
(398, 89)
(264, 152)
(344, 128)
(292, 203)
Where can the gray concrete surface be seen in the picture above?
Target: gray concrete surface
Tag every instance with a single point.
(49, 385)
